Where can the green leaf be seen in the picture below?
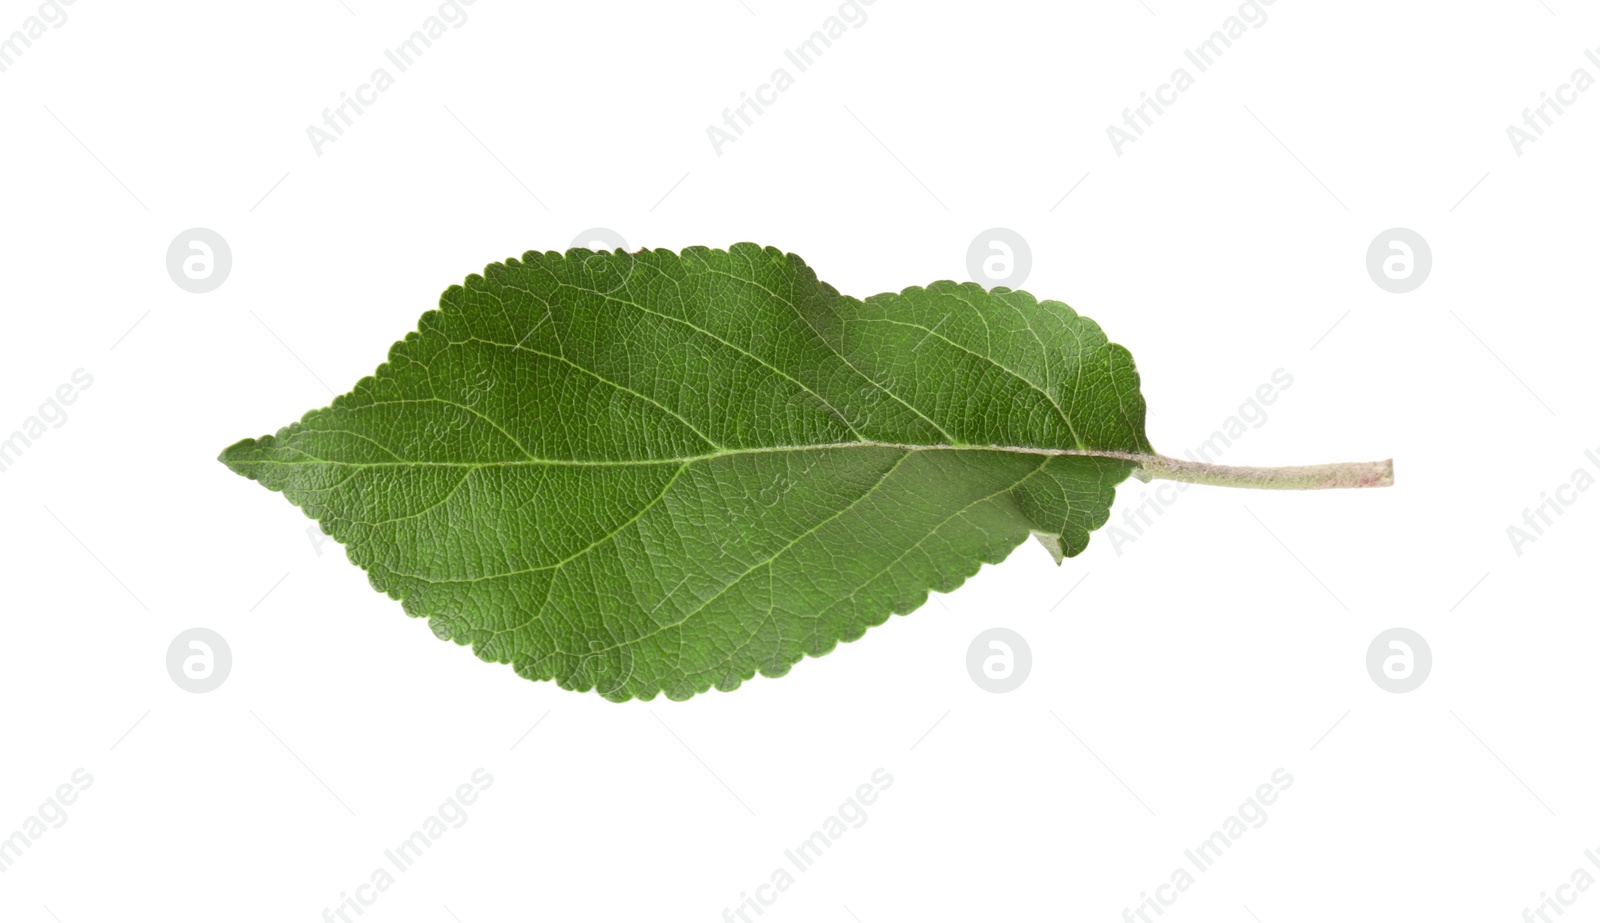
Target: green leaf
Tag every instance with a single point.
(660, 473)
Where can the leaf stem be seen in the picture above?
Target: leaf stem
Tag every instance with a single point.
(1298, 477)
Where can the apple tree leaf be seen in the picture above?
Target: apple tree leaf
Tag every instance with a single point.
(665, 472)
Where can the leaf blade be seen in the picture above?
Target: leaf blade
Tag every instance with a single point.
(771, 467)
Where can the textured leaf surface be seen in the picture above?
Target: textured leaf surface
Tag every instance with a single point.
(661, 473)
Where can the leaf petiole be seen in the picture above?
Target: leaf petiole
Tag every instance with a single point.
(1296, 477)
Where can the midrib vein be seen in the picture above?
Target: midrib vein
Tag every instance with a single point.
(711, 456)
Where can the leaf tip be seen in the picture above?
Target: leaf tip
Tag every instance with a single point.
(242, 456)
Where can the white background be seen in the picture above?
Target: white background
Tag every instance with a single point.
(1222, 644)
